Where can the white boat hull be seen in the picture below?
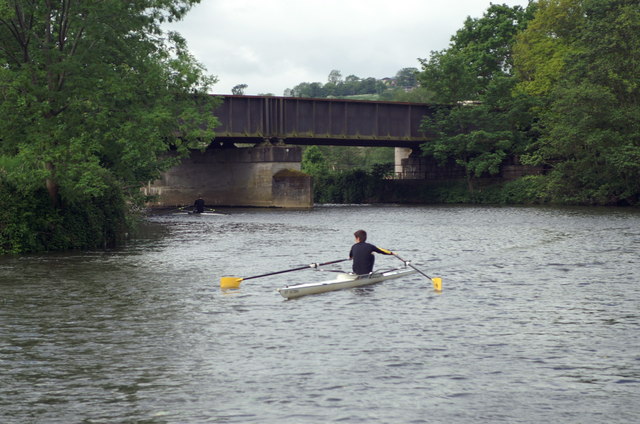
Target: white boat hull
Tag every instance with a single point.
(342, 281)
(201, 213)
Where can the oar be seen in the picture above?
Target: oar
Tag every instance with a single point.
(234, 282)
(437, 281)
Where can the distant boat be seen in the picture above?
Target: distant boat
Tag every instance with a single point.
(199, 213)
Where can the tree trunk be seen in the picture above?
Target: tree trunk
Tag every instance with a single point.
(52, 185)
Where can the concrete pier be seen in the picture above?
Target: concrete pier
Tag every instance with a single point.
(260, 176)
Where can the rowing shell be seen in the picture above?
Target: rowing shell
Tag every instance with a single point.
(201, 213)
(342, 281)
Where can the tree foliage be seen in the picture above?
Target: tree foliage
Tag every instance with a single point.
(94, 94)
(541, 51)
(347, 174)
(484, 125)
(327, 159)
(555, 85)
(478, 53)
(238, 90)
(590, 132)
(314, 162)
(339, 87)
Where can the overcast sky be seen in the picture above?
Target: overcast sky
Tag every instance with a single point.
(271, 45)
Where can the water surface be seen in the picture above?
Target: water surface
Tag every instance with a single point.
(539, 321)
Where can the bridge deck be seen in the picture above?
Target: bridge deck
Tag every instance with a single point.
(302, 121)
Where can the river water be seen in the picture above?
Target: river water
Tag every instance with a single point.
(538, 321)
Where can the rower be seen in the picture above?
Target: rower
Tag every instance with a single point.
(198, 205)
(362, 253)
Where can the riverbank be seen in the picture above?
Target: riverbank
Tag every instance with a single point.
(358, 186)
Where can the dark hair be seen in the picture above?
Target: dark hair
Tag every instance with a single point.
(361, 235)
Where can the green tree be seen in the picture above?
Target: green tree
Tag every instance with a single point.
(479, 52)
(336, 86)
(335, 77)
(407, 78)
(541, 51)
(94, 95)
(238, 90)
(590, 132)
(314, 162)
(484, 125)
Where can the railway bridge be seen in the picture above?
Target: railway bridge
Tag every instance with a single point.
(255, 157)
(305, 121)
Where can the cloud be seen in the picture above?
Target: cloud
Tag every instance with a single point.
(271, 45)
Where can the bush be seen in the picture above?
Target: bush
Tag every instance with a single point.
(355, 186)
(28, 222)
(530, 189)
(20, 217)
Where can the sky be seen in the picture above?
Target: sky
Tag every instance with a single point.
(272, 45)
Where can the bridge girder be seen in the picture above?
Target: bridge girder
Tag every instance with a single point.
(305, 121)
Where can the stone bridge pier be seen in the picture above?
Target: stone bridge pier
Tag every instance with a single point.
(260, 176)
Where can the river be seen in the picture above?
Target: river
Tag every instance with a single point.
(538, 321)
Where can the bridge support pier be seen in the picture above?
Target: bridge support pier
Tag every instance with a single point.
(411, 165)
(261, 176)
(400, 154)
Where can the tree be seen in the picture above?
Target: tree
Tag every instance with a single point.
(335, 77)
(368, 86)
(305, 89)
(407, 78)
(590, 133)
(541, 51)
(238, 90)
(352, 85)
(478, 53)
(95, 95)
(478, 67)
(313, 162)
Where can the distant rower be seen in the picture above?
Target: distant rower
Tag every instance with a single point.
(198, 205)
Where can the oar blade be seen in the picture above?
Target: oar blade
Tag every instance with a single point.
(230, 282)
(437, 284)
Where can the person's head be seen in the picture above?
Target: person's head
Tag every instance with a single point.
(361, 235)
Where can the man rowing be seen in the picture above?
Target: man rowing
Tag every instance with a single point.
(198, 205)
(362, 253)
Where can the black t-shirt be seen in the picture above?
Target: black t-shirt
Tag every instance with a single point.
(363, 259)
(198, 206)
